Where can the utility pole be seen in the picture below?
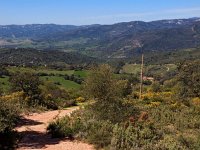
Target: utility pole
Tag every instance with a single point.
(141, 76)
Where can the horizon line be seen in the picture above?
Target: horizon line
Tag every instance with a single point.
(181, 18)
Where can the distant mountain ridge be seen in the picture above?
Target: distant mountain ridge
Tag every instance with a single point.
(117, 40)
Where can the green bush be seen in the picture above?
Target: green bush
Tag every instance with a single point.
(28, 83)
(180, 124)
(170, 143)
(99, 133)
(140, 136)
(60, 128)
(108, 93)
(54, 97)
(9, 115)
(182, 117)
(82, 125)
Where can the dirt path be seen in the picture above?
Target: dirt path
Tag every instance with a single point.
(33, 129)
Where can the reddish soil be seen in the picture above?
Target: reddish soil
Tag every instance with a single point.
(34, 136)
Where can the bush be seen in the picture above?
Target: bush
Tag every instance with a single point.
(81, 125)
(141, 136)
(28, 83)
(9, 115)
(196, 101)
(54, 97)
(170, 143)
(61, 128)
(99, 133)
(108, 93)
(69, 103)
(80, 99)
(181, 117)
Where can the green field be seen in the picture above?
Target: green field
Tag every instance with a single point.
(82, 74)
(64, 83)
(156, 69)
(49, 71)
(131, 68)
(5, 84)
(67, 84)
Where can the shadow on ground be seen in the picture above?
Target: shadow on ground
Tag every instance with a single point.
(27, 122)
(36, 140)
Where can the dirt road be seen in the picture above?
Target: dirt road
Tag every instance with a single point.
(33, 129)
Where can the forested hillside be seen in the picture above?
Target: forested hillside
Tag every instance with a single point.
(116, 41)
(34, 57)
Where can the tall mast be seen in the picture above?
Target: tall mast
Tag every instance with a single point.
(141, 76)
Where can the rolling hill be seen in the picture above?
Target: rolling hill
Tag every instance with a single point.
(121, 40)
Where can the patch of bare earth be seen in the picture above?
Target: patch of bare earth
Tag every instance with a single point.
(34, 136)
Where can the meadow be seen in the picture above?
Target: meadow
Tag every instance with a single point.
(53, 75)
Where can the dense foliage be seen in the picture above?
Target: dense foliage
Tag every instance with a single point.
(29, 84)
(166, 116)
(34, 57)
(108, 94)
(9, 115)
(118, 121)
(189, 79)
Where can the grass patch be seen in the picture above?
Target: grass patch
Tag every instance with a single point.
(49, 71)
(131, 68)
(82, 74)
(5, 84)
(63, 83)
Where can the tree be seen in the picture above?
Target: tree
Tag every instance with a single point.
(3, 72)
(189, 79)
(119, 66)
(100, 84)
(108, 93)
(28, 83)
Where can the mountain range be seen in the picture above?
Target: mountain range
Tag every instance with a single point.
(121, 40)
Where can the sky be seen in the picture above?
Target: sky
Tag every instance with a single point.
(86, 12)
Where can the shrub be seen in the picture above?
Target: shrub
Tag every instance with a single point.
(188, 78)
(99, 133)
(80, 99)
(16, 97)
(108, 93)
(9, 115)
(141, 136)
(60, 128)
(54, 97)
(28, 83)
(181, 117)
(156, 87)
(170, 143)
(196, 101)
(81, 125)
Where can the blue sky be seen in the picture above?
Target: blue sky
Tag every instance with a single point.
(82, 12)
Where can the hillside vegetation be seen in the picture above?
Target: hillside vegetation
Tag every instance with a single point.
(97, 68)
(119, 40)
